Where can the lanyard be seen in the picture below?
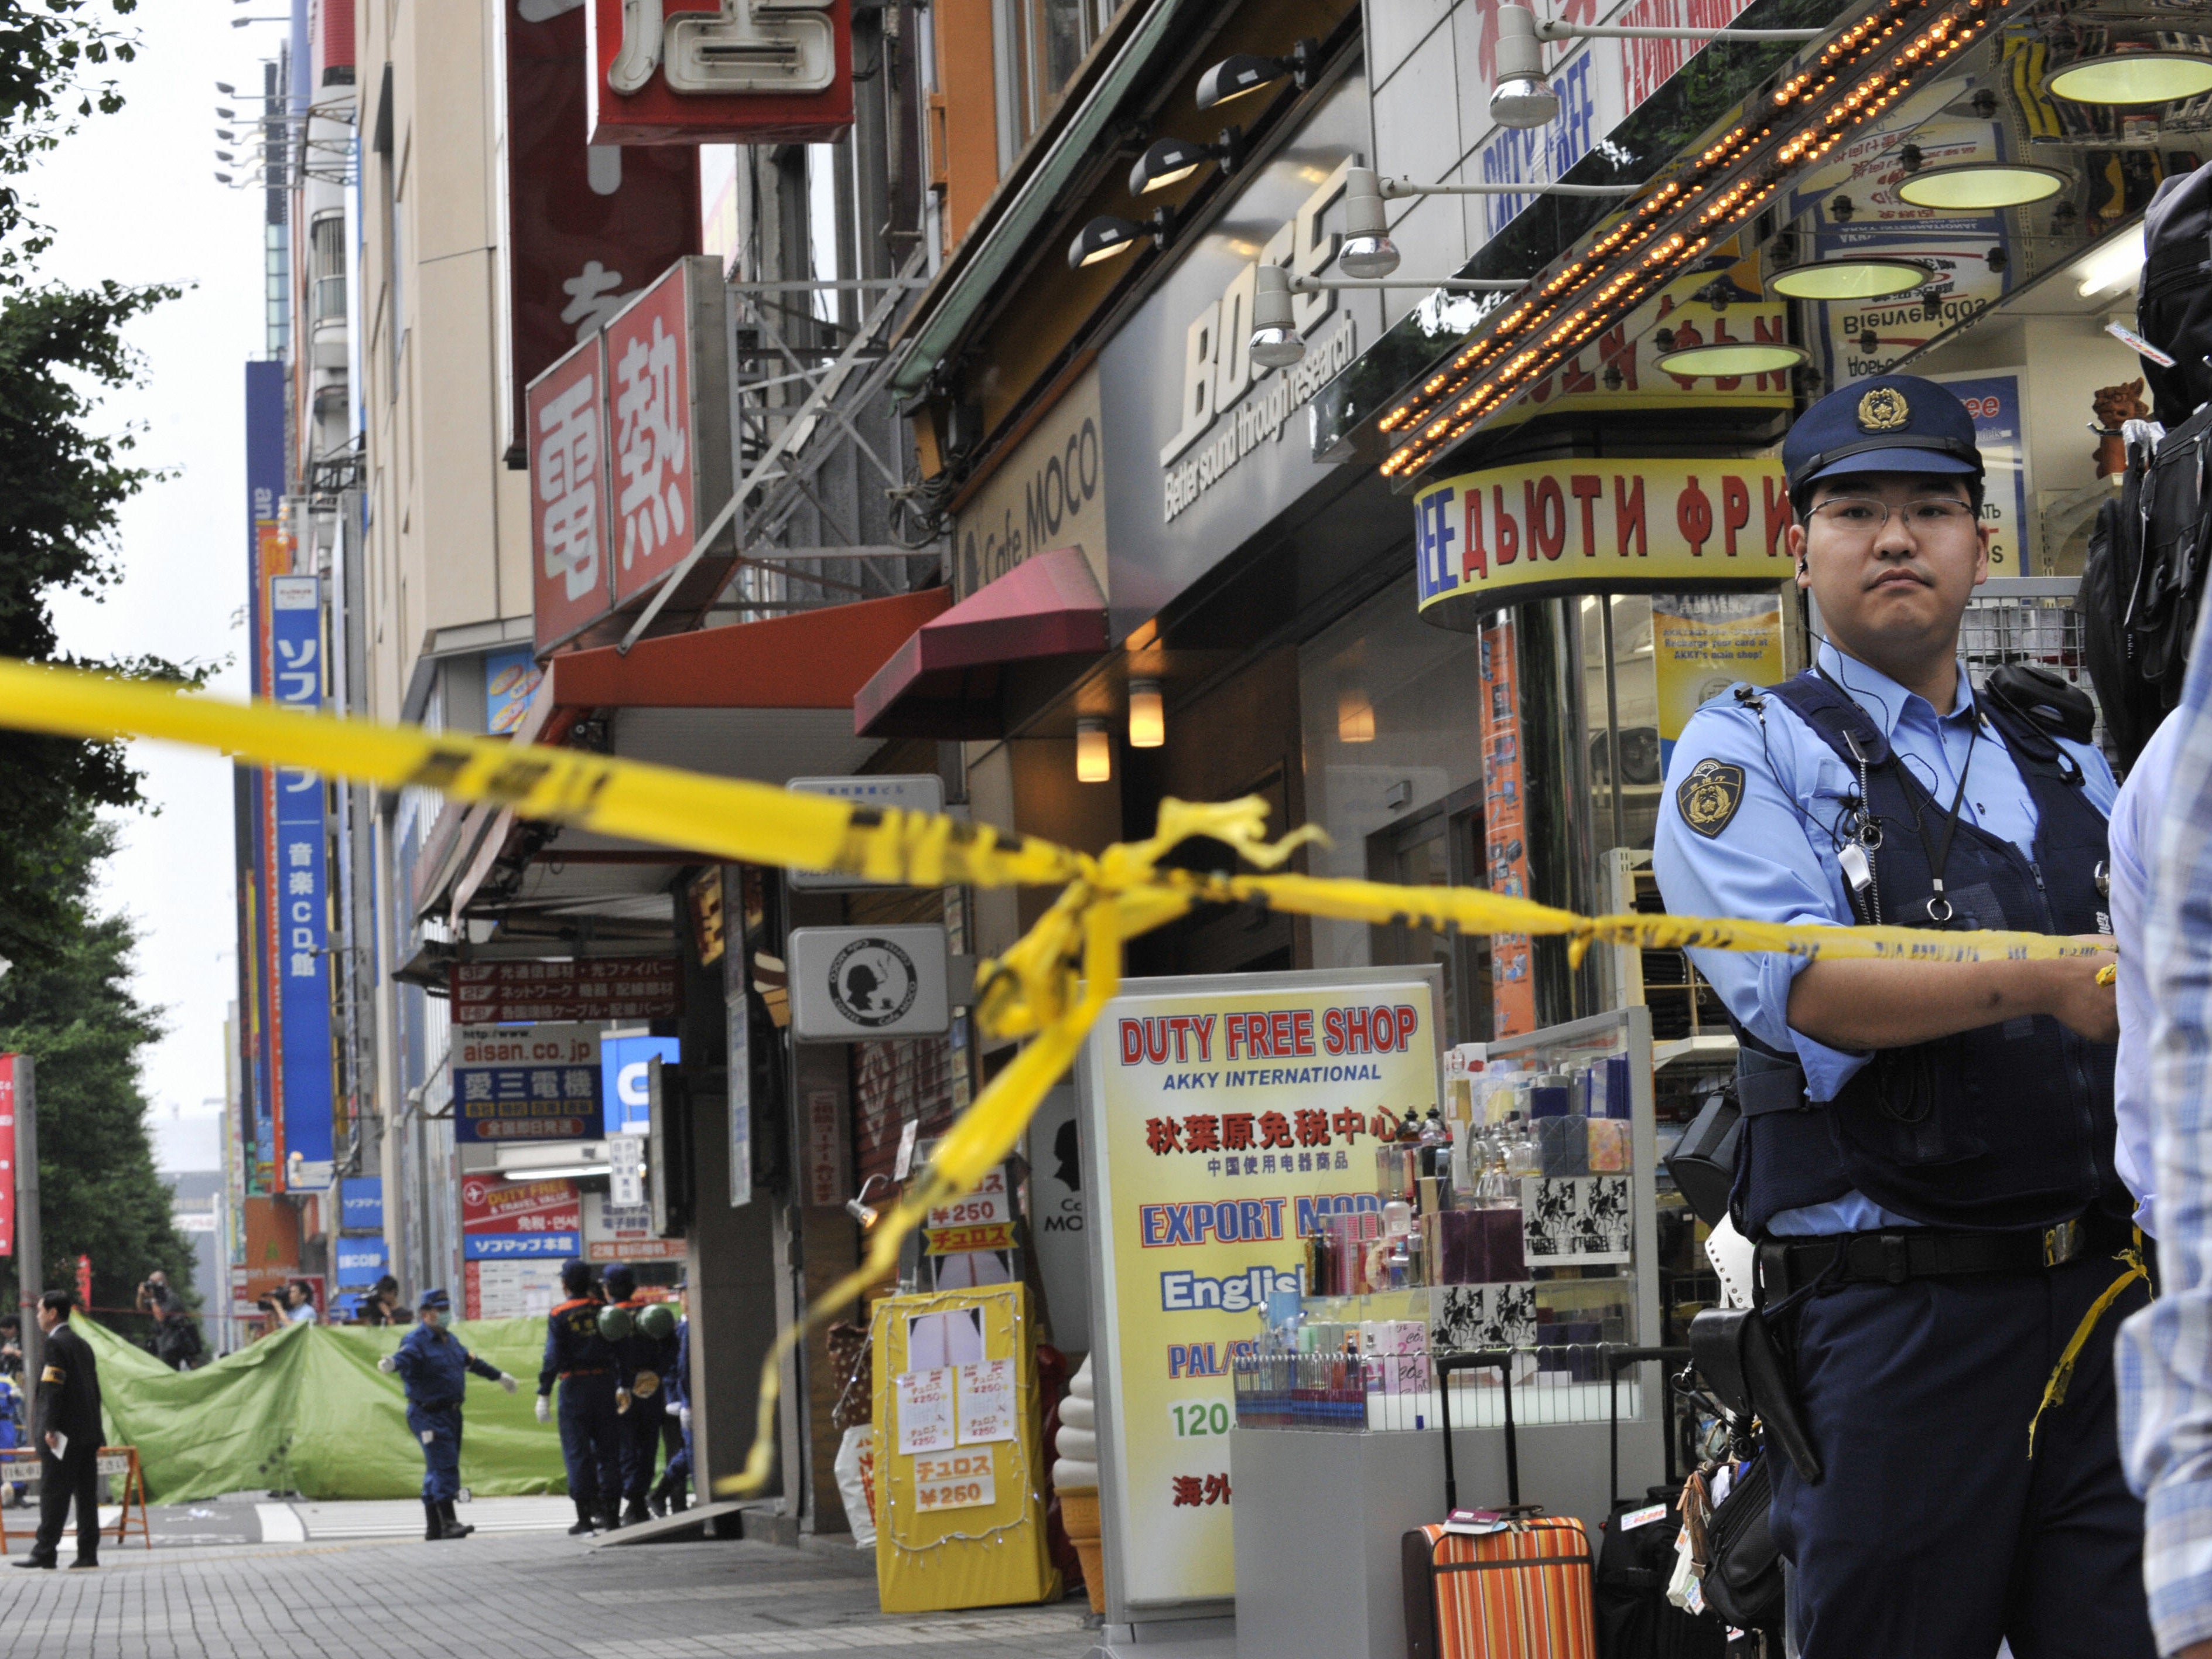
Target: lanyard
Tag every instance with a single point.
(1939, 857)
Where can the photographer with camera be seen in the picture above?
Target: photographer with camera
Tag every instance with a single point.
(176, 1332)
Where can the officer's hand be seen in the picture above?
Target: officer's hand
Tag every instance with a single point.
(2077, 1001)
(684, 1416)
(544, 1409)
(506, 1381)
(389, 1362)
(621, 1401)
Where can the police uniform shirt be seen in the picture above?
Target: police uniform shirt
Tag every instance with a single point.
(1749, 827)
(434, 1367)
(69, 1389)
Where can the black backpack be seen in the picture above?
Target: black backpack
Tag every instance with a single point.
(2174, 307)
(2143, 581)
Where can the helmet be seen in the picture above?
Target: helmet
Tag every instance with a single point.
(658, 1321)
(615, 1323)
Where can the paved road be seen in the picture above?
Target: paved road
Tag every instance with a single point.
(506, 1595)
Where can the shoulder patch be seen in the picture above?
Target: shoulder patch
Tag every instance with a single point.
(53, 1374)
(1710, 795)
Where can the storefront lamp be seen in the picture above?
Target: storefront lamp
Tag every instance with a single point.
(1732, 359)
(1107, 237)
(1276, 342)
(1850, 279)
(2132, 78)
(1368, 250)
(1094, 751)
(1524, 98)
(1148, 720)
(1234, 77)
(1171, 160)
(1982, 186)
(1355, 718)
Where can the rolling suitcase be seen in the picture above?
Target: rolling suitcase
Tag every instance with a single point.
(1513, 1583)
(1635, 1619)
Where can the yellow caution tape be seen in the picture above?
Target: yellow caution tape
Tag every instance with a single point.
(1049, 987)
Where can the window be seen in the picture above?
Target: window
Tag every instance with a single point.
(326, 266)
(1048, 40)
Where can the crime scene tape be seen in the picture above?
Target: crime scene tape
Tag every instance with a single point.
(1049, 987)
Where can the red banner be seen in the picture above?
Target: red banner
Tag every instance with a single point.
(491, 1205)
(626, 988)
(7, 1155)
(564, 427)
(697, 72)
(653, 471)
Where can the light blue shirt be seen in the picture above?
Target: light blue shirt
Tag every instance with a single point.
(2134, 845)
(1775, 861)
(2164, 1380)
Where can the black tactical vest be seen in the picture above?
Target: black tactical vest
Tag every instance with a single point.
(2007, 1126)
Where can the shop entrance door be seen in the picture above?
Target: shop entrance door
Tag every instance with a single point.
(1439, 845)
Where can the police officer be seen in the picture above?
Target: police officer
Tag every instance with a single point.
(591, 1437)
(68, 1439)
(1926, 1160)
(642, 1360)
(435, 1367)
(673, 1491)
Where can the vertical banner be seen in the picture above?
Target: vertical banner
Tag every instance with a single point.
(268, 554)
(1513, 986)
(564, 429)
(1703, 644)
(1993, 399)
(654, 473)
(299, 916)
(1222, 1116)
(7, 1155)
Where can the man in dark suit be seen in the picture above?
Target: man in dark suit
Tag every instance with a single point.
(68, 1439)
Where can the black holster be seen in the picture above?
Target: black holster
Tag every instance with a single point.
(1737, 1354)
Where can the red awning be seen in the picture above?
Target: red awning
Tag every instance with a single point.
(945, 681)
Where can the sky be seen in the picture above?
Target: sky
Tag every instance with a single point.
(132, 196)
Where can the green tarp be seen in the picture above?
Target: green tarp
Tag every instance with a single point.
(306, 1411)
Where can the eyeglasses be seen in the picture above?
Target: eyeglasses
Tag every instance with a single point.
(1861, 518)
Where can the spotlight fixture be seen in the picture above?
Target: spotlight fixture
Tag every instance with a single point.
(1368, 250)
(226, 89)
(1931, 306)
(1613, 377)
(1868, 341)
(1909, 158)
(1107, 237)
(1246, 72)
(1276, 342)
(223, 114)
(1148, 722)
(1841, 209)
(226, 135)
(1734, 358)
(1094, 751)
(1850, 279)
(223, 179)
(1524, 98)
(1997, 258)
(1982, 186)
(2132, 78)
(1171, 160)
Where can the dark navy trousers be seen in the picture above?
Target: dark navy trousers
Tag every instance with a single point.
(437, 1430)
(1931, 1533)
(640, 1445)
(591, 1440)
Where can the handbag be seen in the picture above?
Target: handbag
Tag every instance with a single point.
(1743, 1581)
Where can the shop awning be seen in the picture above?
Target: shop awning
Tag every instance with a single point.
(947, 680)
(768, 701)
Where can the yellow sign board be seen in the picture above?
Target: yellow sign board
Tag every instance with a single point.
(1222, 1115)
(1513, 533)
(1703, 644)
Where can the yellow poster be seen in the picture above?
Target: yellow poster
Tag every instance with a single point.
(1221, 1114)
(1703, 644)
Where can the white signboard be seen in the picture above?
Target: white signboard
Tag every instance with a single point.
(915, 792)
(626, 1167)
(614, 1232)
(522, 1288)
(860, 984)
(984, 1406)
(925, 1410)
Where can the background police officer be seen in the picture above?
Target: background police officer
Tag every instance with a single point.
(673, 1490)
(591, 1438)
(69, 1430)
(435, 1367)
(1926, 1162)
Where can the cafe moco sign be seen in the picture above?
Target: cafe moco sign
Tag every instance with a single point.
(1050, 492)
(1484, 540)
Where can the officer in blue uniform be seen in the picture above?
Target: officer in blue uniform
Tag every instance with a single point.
(672, 1493)
(435, 1367)
(642, 1363)
(1926, 1160)
(591, 1438)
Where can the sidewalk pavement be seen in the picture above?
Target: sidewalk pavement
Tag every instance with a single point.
(505, 1594)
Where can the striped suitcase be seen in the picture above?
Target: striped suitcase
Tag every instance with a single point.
(1523, 1591)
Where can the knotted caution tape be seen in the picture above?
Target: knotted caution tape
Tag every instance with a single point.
(1049, 987)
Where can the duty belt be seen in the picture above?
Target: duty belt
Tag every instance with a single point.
(1891, 1256)
(587, 1370)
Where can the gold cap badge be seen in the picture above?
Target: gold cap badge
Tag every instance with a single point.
(1883, 410)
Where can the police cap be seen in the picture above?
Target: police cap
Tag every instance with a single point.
(1887, 423)
(435, 1298)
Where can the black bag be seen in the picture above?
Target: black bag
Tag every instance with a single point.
(2174, 307)
(1743, 1584)
(1635, 1619)
(1703, 1163)
(2131, 705)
